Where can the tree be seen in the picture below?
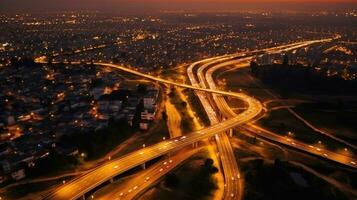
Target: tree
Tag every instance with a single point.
(172, 92)
(283, 126)
(142, 89)
(171, 180)
(254, 67)
(164, 115)
(209, 162)
(184, 104)
(285, 60)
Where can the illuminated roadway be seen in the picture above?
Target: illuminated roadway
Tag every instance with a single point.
(230, 167)
(232, 188)
(229, 113)
(233, 184)
(83, 184)
(139, 183)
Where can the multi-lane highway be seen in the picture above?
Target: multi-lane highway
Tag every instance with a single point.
(233, 184)
(81, 185)
(141, 181)
(146, 178)
(229, 113)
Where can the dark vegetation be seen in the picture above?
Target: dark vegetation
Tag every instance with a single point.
(200, 183)
(275, 182)
(297, 78)
(337, 116)
(197, 107)
(97, 143)
(281, 122)
(51, 164)
(181, 106)
(171, 180)
(91, 145)
(20, 191)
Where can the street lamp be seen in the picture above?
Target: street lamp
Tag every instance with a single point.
(83, 155)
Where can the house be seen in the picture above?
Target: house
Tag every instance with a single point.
(67, 151)
(130, 119)
(133, 101)
(5, 148)
(10, 120)
(150, 99)
(109, 106)
(18, 174)
(148, 115)
(3, 177)
(97, 92)
(144, 125)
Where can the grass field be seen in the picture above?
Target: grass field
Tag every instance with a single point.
(276, 180)
(242, 80)
(340, 122)
(282, 122)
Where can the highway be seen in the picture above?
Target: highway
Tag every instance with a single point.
(140, 182)
(233, 184)
(143, 180)
(127, 191)
(81, 185)
(227, 112)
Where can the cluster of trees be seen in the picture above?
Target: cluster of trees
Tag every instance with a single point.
(25, 61)
(275, 182)
(52, 164)
(201, 183)
(181, 106)
(92, 144)
(303, 79)
(197, 106)
(97, 143)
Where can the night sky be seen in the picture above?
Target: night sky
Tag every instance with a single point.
(150, 5)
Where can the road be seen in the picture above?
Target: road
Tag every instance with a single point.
(227, 111)
(140, 182)
(143, 180)
(233, 185)
(81, 185)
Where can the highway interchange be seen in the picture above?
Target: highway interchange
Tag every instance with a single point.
(203, 86)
